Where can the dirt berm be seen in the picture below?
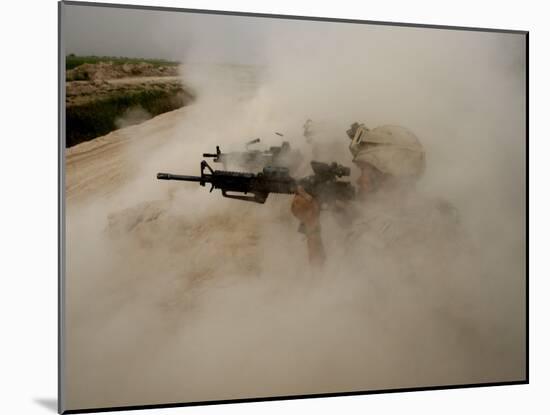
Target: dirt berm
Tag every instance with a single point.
(103, 97)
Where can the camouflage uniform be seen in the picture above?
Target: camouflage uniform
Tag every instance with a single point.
(400, 223)
(419, 285)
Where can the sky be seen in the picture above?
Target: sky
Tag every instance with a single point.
(165, 35)
(207, 38)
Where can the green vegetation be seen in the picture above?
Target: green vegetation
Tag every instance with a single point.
(72, 61)
(97, 118)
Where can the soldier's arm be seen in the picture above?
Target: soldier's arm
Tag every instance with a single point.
(307, 210)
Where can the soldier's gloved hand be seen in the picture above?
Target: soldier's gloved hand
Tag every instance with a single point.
(306, 209)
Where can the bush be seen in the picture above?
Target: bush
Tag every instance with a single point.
(72, 61)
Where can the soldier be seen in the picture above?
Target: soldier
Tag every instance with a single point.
(415, 271)
(389, 211)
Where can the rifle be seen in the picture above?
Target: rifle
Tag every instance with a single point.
(280, 156)
(323, 184)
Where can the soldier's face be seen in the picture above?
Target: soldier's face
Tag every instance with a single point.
(364, 181)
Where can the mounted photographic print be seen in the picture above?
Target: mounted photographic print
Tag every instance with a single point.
(259, 207)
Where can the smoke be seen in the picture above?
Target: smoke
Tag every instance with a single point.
(175, 294)
(132, 116)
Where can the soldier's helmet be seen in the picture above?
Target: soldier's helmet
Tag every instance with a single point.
(391, 149)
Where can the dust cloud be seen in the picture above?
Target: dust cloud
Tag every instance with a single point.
(132, 116)
(175, 294)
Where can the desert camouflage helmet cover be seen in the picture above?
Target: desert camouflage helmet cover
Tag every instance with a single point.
(391, 149)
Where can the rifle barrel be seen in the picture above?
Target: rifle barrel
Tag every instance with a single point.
(168, 176)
